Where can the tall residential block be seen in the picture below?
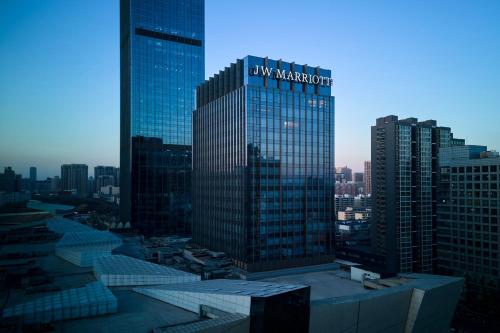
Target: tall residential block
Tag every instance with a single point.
(162, 45)
(33, 174)
(74, 177)
(263, 164)
(368, 177)
(404, 163)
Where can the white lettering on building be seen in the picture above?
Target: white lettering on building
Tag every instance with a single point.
(281, 74)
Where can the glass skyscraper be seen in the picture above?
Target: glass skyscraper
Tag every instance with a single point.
(162, 62)
(263, 164)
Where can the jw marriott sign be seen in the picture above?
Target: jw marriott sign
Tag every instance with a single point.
(281, 74)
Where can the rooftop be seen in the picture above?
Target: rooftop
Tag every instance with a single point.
(60, 225)
(324, 284)
(119, 270)
(233, 287)
(42, 276)
(103, 239)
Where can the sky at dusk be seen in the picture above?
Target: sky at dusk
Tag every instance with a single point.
(59, 69)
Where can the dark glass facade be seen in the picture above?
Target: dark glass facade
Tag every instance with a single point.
(263, 165)
(286, 312)
(162, 62)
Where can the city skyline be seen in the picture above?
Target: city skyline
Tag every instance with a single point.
(448, 66)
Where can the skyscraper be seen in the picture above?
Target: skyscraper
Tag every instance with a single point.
(33, 174)
(263, 164)
(404, 180)
(10, 181)
(367, 177)
(162, 62)
(74, 177)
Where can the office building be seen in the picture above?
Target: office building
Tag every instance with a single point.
(467, 221)
(74, 178)
(343, 201)
(105, 176)
(404, 180)
(55, 184)
(358, 181)
(42, 186)
(33, 174)
(10, 181)
(162, 62)
(367, 177)
(344, 174)
(358, 177)
(263, 164)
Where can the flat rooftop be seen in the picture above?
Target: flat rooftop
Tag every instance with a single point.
(324, 284)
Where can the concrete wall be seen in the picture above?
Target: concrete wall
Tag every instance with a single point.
(380, 311)
(425, 305)
(436, 308)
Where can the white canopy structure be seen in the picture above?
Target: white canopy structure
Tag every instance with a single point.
(119, 270)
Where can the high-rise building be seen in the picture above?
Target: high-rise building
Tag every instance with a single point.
(55, 184)
(263, 164)
(74, 177)
(358, 182)
(162, 62)
(367, 177)
(33, 174)
(404, 180)
(358, 177)
(344, 174)
(10, 181)
(468, 220)
(105, 176)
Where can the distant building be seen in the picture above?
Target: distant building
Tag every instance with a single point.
(344, 174)
(33, 174)
(110, 193)
(344, 215)
(27, 184)
(468, 229)
(55, 184)
(358, 180)
(404, 178)
(105, 176)
(358, 177)
(90, 184)
(368, 177)
(11, 188)
(362, 202)
(345, 188)
(342, 202)
(74, 177)
(10, 181)
(43, 186)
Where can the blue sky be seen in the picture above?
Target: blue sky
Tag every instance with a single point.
(59, 69)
